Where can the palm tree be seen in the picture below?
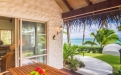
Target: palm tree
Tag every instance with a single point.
(83, 33)
(119, 28)
(103, 37)
(68, 33)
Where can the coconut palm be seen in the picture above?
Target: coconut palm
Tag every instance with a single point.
(119, 28)
(103, 37)
(68, 34)
(83, 33)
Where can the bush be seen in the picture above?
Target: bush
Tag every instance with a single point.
(89, 49)
(69, 51)
(74, 64)
(118, 72)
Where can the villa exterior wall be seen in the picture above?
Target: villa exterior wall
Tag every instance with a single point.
(40, 10)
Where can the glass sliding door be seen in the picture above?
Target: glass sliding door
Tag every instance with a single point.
(33, 42)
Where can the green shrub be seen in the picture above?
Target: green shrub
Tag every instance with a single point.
(69, 51)
(118, 72)
(89, 49)
(75, 64)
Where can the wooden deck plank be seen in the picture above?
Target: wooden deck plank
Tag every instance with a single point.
(11, 70)
(17, 71)
(25, 70)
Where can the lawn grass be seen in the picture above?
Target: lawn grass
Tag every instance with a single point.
(114, 61)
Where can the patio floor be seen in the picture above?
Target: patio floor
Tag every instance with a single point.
(94, 66)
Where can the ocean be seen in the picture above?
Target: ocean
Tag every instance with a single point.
(78, 41)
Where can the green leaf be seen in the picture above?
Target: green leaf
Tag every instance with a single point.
(90, 43)
(32, 72)
(36, 73)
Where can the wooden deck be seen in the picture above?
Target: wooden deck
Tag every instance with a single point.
(70, 72)
(25, 70)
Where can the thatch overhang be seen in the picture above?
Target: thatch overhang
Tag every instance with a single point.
(92, 12)
(102, 20)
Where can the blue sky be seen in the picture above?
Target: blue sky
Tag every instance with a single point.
(89, 30)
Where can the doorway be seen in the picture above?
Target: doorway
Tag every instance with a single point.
(32, 42)
(7, 43)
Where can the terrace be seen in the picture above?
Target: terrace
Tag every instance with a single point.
(34, 29)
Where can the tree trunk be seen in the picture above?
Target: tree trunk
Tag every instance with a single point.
(83, 33)
(68, 33)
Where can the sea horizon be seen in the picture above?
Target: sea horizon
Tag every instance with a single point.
(78, 41)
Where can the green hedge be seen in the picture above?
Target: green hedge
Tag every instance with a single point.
(90, 49)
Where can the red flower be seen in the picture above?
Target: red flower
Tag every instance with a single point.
(40, 70)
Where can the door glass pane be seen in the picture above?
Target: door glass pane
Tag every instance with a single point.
(33, 39)
(41, 59)
(28, 38)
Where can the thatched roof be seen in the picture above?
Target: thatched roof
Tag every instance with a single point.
(101, 20)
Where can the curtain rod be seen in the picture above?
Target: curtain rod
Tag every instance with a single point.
(92, 13)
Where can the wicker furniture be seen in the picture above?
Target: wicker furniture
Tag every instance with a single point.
(4, 48)
(25, 70)
(8, 61)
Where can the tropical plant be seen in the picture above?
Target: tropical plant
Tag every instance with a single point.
(118, 72)
(74, 64)
(69, 51)
(88, 49)
(68, 55)
(90, 43)
(103, 37)
(119, 28)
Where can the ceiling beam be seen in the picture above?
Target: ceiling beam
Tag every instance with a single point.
(67, 4)
(91, 8)
(88, 2)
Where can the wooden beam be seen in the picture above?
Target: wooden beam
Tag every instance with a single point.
(88, 2)
(91, 8)
(67, 4)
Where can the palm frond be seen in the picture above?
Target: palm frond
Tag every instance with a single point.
(89, 43)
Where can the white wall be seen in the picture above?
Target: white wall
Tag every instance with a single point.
(41, 10)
